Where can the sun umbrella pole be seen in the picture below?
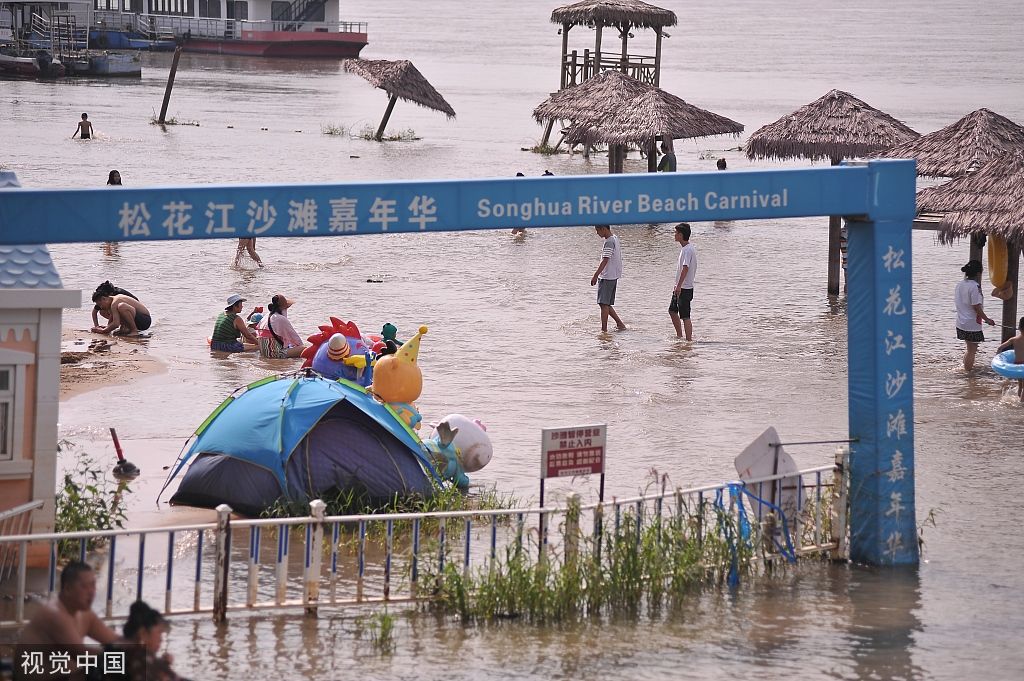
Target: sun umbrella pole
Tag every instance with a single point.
(1010, 304)
(387, 115)
(835, 225)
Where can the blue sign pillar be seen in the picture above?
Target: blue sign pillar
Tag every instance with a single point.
(881, 390)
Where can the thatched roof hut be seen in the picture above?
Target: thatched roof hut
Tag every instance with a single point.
(597, 96)
(651, 114)
(988, 201)
(963, 146)
(835, 126)
(400, 79)
(614, 13)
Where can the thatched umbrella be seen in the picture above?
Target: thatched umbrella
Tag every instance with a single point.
(651, 114)
(614, 13)
(990, 202)
(597, 96)
(835, 126)
(963, 146)
(400, 79)
(646, 117)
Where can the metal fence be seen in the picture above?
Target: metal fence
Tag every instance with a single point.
(15, 521)
(174, 26)
(333, 561)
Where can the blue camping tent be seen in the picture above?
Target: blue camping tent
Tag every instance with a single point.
(299, 437)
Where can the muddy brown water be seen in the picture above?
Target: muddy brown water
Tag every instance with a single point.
(513, 326)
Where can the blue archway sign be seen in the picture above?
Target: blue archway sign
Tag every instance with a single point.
(876, 197)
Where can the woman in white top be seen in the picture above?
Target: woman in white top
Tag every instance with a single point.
(278, 338)
(970, 311)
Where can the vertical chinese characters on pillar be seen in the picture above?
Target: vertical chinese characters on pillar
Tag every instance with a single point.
(897, 404)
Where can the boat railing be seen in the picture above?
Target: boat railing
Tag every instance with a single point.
(321, 561)
(170, 26)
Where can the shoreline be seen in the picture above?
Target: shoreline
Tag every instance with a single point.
(92, 361)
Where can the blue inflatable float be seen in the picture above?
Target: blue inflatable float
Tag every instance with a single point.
(1004, 365)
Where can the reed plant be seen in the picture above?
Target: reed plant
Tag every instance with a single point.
(627, 563)
(334, 129)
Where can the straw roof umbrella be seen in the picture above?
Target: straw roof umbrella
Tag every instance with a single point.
(401, 80)
(643, 118)
(991, 202)
(614, 12)
(963, 146)
(651, 114)
(834, 126)
(602, 94)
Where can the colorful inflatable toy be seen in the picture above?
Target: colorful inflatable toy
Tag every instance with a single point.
(1004, 365)
(459, 445)
(349, 357)
(397, 380)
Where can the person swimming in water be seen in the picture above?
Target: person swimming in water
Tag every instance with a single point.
(84, 127)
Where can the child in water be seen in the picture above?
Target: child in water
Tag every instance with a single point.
(1017, 345)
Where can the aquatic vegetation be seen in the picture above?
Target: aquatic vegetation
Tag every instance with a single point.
(173, 120)
(545, 149)
(334, 129)
(628, 562)
(87, 501)
(368, 132)
(382, 631)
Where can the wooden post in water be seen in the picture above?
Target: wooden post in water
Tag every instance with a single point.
(835, 226)
(625, 38)
(387, 115)
(652, 156)
(657, 58)
(170, 85)
(597, 51)
(1013, 252)
(565, 55)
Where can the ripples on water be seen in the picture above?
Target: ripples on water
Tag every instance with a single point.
(513, 323)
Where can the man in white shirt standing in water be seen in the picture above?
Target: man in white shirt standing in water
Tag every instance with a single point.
(686, 272)
(607, 276)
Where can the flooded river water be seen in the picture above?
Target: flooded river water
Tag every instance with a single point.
(514, 332)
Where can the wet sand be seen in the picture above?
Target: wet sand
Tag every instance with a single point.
(92, 361)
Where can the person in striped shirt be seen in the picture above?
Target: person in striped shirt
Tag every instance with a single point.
(607, 276)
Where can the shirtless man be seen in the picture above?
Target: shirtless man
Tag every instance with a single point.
(1017, 345)
(70, 619)
(127, 315)
(84, 127)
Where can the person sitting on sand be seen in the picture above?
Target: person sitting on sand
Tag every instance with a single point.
(278, 338)
(229, 327)
(84, 127)
(1017, 345)
(127, 315)
(107, 289)
(68, 620)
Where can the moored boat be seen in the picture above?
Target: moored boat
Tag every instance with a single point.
(263, 28)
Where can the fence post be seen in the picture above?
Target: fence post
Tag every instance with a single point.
(840, 489)
(572, 529)
(220, 575)
(314, 555)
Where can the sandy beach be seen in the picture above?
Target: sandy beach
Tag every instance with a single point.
(90, 361)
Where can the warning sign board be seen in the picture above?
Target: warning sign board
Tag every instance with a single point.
(573, 451)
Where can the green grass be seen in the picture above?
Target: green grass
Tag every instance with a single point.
(87, 500)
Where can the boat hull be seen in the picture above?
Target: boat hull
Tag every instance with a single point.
(282, 44)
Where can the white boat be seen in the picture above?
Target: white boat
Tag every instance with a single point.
(115, 64)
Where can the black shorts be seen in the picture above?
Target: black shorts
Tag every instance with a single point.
(142, 320)
(681, 303)
(970, 336)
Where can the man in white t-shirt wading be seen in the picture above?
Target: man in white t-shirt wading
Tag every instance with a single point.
(682, 291)
(607, 276)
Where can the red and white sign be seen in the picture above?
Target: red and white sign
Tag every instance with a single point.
(572, 451)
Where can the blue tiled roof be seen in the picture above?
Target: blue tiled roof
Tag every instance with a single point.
(27, 267)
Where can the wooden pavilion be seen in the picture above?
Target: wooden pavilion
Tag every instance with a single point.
(623, 16)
